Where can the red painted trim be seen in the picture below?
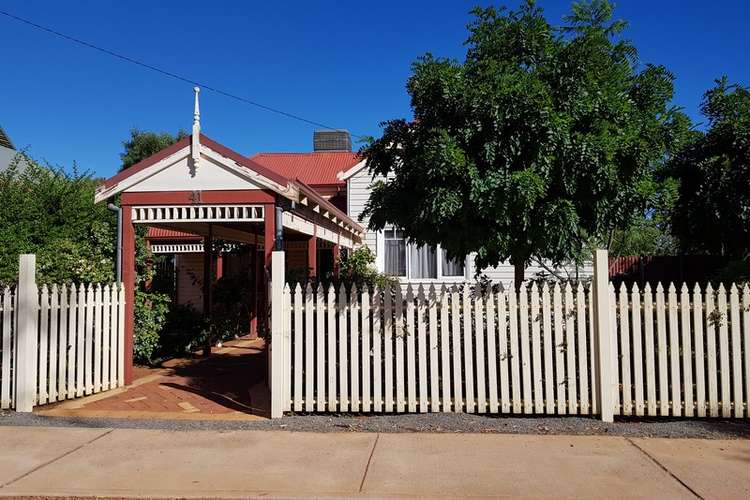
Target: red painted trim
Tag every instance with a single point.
(189, 197)
(151, 160)
(313, 195)
(128, 277)
(333, 188)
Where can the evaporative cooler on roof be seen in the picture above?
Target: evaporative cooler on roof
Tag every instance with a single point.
(332, 140)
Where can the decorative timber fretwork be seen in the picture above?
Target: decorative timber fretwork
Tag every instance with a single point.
(177, 248)
(197, 213)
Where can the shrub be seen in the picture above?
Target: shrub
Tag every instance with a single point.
(184, 330)
(358, 269)
(150, 315)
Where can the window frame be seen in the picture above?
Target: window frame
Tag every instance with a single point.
(408, 278)
(406, 253)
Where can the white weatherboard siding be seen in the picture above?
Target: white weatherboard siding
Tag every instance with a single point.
(505, 273)
(358, 189)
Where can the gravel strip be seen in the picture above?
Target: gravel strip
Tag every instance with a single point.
(429, 422)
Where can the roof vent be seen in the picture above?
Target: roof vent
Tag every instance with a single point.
(332, 140)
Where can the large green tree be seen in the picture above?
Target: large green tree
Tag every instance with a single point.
(712, 213)
(141, 144)
(538, 146)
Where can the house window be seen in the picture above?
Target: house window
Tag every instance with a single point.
(395, 252)
(417, 262)
(423, 262)
(451, 267)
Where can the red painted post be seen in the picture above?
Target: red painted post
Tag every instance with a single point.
(269, 233)
(128, 278)
(208, 261)
(336, 255)
(269, 240)
(219, 265)
(312, 256)
(254, 305)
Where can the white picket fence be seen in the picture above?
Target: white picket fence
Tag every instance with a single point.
(67, 342)
(535, 350)
(682, 354)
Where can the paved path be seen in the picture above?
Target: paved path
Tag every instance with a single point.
(160, 463)
(228, 385)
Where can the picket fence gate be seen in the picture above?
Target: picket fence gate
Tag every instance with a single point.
(59, 342)
(538, 349)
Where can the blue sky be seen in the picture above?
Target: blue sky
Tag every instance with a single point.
(342, 65)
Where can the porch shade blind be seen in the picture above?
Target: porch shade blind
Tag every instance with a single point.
(395, 252)
(423, 262)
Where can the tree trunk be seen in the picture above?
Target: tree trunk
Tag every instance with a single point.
(519, 271)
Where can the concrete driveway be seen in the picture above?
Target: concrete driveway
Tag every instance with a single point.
(162, 463)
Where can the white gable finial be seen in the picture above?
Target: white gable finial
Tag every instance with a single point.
(197, 111)
(196, 143)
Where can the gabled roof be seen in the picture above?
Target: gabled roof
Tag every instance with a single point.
(242, 167)
(184, 142)
(314, 168)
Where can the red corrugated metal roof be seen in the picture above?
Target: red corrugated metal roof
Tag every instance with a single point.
(315, 168)
(157, 233)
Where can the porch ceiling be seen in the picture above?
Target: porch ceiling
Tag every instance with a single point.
(240, 232)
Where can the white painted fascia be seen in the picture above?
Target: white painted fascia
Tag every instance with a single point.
(102, 194)
(345, 175)
(289, 191)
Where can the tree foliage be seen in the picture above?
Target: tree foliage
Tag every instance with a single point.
(51, 213)
(143, 144)
(712, 213)
(540, 144)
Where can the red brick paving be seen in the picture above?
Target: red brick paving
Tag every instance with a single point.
(229, 382)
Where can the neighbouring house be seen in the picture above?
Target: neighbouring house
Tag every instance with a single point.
(8, 153)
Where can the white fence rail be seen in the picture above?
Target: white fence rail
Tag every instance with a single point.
(69, 344)
(534, 350)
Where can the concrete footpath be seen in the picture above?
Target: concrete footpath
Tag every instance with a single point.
(80, 462)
